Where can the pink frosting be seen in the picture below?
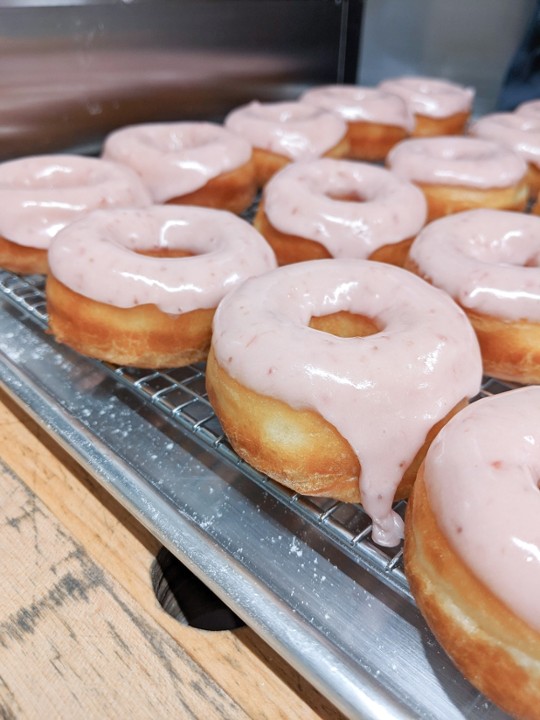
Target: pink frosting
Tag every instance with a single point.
(430, 96)
(383, 392)
(174, 159)
(521, 133)
(99, 256)
(356, 104)
(40, 195)
(295, 130)
(298, 200)
(451, 160)
(482, 476)
(487, 260)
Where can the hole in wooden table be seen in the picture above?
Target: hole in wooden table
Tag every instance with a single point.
(186, 598)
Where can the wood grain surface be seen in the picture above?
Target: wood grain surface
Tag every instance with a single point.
(81, 633)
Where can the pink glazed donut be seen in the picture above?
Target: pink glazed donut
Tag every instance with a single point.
(440, 107)
(332, 376)
(376, 119)
(140, 287)
(40, 195)
(489, 262)
(520, 133)
(462, 173)
(472, 546)
(340, 208)
(188, 163)
(284, 132)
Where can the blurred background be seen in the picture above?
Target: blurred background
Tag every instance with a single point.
(72, 70)
(469, 41)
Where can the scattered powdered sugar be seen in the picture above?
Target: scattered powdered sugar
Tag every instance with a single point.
(295, 548)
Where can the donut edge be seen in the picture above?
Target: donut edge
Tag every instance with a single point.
(493, 648)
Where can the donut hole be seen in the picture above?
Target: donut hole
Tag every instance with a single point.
(166, 253)
(345, 324)
(350, 196)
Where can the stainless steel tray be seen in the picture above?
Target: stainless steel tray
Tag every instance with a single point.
(302, 573)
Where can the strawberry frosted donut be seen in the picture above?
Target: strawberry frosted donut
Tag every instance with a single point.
(332, 376)
(140, 287)
(188, 163)
(376, 120)
(521, 133)
(284, 132)
(472, 546)
(40, 195)
(462, 173)
(440, 107)
(338, 208)
(489, 262)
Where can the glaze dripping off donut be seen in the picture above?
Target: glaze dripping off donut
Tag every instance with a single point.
(331, 376)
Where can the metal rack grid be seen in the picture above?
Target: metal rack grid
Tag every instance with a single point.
(180, 395)
(296, 569)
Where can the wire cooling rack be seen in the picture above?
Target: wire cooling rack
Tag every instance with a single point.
(180, 396)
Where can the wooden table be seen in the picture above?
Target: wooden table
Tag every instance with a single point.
(81, 632)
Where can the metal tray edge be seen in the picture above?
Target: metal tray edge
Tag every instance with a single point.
(330, 671)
